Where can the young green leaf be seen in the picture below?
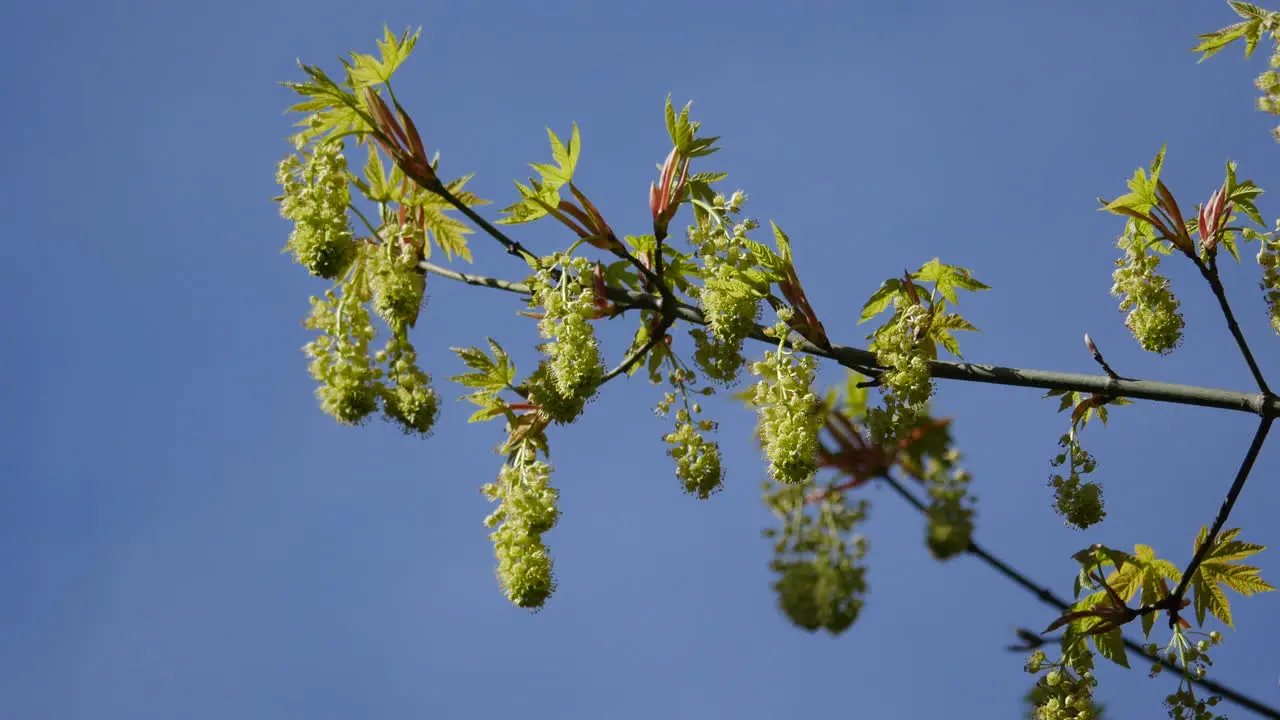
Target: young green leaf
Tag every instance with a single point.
(881, 299)
(1220, 570)
(784, 243)
(1213, 42)
(367, 71)
(947, 277)
(491, 375)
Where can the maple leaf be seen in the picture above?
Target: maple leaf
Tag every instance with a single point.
(538, 200)
(447, 232)
(947, 277)
(1219, 570)
(490, 377)
(1146, 574)
(368, 71)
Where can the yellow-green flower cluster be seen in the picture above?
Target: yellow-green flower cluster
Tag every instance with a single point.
(546, 396)
(1154, 318)
(1062, 694)
(527, 510)
(408, 399)
(1079, 503)
(950, 509)
(315, 198)
(719, 360)
(697, 458)
(340, 359)
(1194, 660)
(820, 581)
(789, 413)
(897, 348)
(1269, 260)
(353, 380)
(574, 366)
(1269, 84)
(730, 306)
(397, 284)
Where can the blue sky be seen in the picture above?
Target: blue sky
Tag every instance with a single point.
(183, 533)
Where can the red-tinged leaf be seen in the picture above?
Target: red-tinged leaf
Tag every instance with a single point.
(1067, 618)
(386, 124)
(415, 140)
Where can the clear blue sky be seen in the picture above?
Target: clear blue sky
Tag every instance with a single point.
(184, 534)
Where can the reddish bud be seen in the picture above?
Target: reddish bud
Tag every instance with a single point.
(1213, 217)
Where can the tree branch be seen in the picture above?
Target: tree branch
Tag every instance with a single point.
(513, 247)
(1210, 273)
(477, 280)
(1267, 406)
(634, 356)
(1047, 597)
(1223, 512)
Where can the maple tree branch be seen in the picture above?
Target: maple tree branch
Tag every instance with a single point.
(658, 335)
(1044, 594)
(513, 247)
(1267, 406)
(1210, 272)
(1047, 597)
(632, 358)
(477, 280)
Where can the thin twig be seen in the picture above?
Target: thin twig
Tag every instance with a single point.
(1210, 273)
(1223, 512)
(634, 356)
(513, 247)
(668, 309)
(1047, 597)
(1097, 357)
(477, 280)
(865, 360)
